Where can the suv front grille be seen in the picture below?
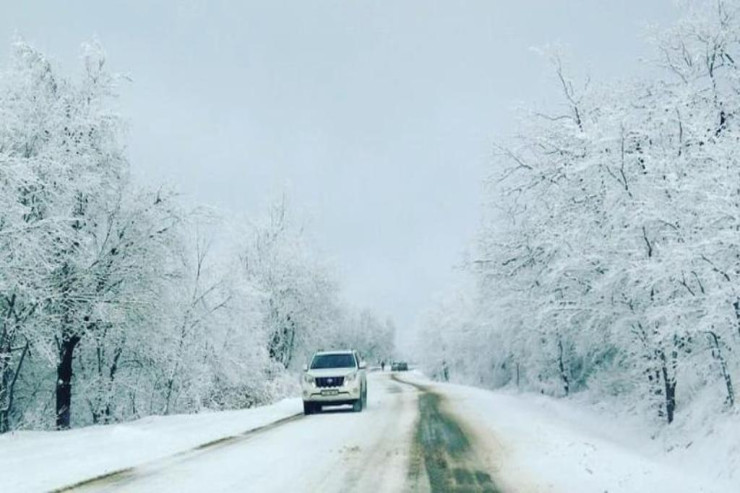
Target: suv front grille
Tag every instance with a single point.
(329, 381)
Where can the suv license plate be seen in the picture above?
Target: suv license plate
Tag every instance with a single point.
(329, 392)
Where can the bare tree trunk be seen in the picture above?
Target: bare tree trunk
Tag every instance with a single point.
(717, 353)
(176, 368)
(669, 383)
(108, 412)
(561, 367)
(9, 391)
(168, 395)
(661, 374)
(64, 381)
(290, 342)
(6, 355)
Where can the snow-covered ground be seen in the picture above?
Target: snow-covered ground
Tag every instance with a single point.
(338, 450)
(526, 443)
(43, 460)
(540, 444)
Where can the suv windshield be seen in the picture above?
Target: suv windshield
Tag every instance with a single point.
(333, 361)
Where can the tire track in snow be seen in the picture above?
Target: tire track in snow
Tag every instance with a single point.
(445, 451)
(391, 450)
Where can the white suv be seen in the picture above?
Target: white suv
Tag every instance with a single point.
(334, 378)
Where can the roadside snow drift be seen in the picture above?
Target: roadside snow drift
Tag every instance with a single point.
(45, 460)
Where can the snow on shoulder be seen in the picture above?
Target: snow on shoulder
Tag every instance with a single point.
(540, 444)
(46, 460)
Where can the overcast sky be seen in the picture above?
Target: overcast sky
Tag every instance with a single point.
(376, 118)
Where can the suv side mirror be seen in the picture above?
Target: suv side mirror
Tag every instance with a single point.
(305, 367)
(363, 365)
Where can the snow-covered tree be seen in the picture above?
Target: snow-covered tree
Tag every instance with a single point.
(124, 294)
(610, 249)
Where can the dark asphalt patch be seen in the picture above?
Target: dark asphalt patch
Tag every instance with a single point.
(445, 452)
(111, 477)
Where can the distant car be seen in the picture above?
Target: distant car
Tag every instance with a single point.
(399, 366)
(334, 378)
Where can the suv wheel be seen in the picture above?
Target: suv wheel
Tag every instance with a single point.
(357, 405)
(308, 408)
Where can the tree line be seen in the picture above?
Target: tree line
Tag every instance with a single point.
(609, 255)
(117, 300)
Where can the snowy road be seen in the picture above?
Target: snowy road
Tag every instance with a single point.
(384, 448)
(415, 436)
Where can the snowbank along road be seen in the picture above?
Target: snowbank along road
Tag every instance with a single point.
(406, 440)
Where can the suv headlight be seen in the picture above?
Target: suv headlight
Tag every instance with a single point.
(350, 378)
(308, 378)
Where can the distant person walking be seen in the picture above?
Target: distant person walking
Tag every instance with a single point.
(382, 366)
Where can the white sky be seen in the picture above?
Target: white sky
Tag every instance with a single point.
(376, 118)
